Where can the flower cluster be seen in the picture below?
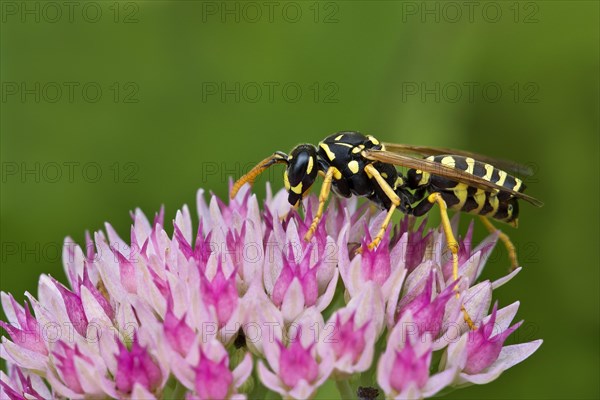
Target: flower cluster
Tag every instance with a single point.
(242, 305)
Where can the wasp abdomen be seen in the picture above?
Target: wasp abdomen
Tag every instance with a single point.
(473, 167)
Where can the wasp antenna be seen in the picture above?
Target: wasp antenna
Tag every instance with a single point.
(276, 158)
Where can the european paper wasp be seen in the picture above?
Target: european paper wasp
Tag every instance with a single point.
(354, 164)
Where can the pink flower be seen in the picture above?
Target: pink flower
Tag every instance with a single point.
(382, 265)
(26, 331)
(213, 379)
(428, 311)
(347, 339)
(301, 273)
(296, 370)
(136, 366)
(22, 386)
(482, 348)
(66, 357)
(351, 332)
(206, 372)
(220, 293)
(186, 312)
(403, 370)
(178, 334)
(298, 275)
(481, 355)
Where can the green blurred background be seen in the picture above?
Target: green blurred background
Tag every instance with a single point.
(109, 106)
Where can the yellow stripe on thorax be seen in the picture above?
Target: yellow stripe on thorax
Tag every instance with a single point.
(330, 154)
(449, 161)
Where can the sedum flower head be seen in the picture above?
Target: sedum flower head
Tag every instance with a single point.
(237, 304)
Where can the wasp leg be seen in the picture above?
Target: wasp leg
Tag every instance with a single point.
(451, 241)
(391, 194)
(250, 177)
(510, 247)
(323, 196)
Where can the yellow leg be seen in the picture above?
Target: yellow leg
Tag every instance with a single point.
(510, 247)
(251, 176)
(377, 239)
(371, 170)
(452, 246)
(387, 189)
(323, 196)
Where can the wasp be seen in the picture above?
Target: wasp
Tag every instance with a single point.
(353, 164)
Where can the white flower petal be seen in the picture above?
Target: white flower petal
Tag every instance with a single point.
(93, 311)
(141, 226)
(183, 220)
(116, 242)
(72, 258)
(269, 379)
(293, 301)
(439, 381)
(9, 311)
(477, 300)
(242, 371)
(203, 212)
(302, 390)
(139, 392)
(59, 388)
(25, 358)
(88, 377)
(501, 281)
(504, 317)
(324, 300)
(384, 368)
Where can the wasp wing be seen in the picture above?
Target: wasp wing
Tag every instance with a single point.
(505, 165)
(439, 169)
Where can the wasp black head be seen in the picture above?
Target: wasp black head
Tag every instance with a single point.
(301, 171)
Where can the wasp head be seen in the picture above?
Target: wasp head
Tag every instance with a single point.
(301, 172)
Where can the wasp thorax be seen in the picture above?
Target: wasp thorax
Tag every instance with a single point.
(414, 178)
(301, 171)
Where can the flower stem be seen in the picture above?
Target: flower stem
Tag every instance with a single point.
(178, 391)
(343, 386)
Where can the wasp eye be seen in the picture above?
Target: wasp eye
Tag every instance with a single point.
(297, 168)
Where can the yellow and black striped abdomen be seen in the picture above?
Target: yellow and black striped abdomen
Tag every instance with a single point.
(477, 168)
(460, 196)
